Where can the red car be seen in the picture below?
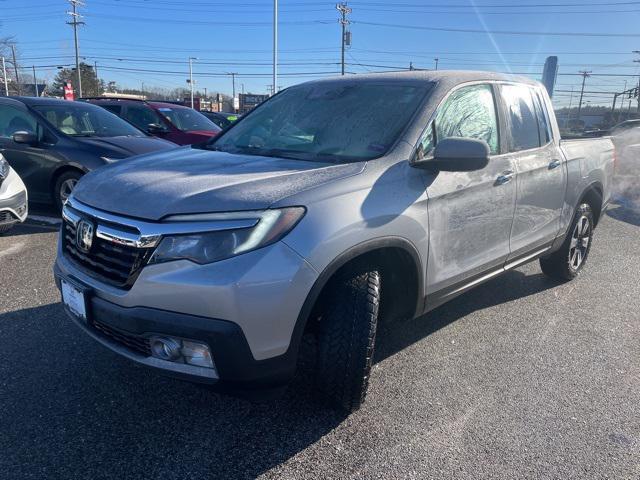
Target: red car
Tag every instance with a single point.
(176, 123)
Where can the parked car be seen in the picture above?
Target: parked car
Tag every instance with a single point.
(13, 197)
(332, 206)
(624, 127)
(176, 123)
(221, 119)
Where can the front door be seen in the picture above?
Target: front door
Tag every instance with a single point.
(29, 161)
(470, 213)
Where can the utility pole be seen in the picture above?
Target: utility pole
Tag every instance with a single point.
(191, 59)
(4, 75)
(637, 52)
(566, 119)
(75, 21)
(344, 11)
(35, 82)
(95, 68)
(436, 60)
(584, 74)
(275, 46)
(15, 69)
(410, 66)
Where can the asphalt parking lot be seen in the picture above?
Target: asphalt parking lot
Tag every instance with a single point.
(520, 378)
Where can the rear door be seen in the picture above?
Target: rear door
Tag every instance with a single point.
(541, 177)
(470, 213)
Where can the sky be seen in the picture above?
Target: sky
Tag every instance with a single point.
(149, 41)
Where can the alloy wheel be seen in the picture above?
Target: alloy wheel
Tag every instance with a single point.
(66, 188)
(579, 242)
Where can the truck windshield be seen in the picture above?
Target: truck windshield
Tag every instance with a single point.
(82, 120)
(330, 122)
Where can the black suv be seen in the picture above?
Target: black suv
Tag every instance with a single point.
(51, 143)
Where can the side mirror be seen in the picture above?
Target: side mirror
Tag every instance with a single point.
(457, 154)
(156, 129)
(22, 136)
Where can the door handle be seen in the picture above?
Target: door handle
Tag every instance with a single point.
(554, 164)
(505, 177)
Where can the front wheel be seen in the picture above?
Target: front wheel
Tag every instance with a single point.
(346, 337)
(63, 187)
(567, 262)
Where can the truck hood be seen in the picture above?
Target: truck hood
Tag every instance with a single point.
(122, 147)
(187, 180)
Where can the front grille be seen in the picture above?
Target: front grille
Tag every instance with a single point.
(134, 342)
(118, 265)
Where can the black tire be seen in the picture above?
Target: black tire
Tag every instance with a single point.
(563, 264)
(64, 180)
(5, 228)
(346, 338)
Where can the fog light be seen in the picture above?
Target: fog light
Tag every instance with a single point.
(197, 354)
(165, 348)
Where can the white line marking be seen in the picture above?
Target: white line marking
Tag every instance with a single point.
(11, 250)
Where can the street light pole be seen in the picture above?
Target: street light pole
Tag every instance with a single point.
(275, 46)
(436, 60)
(233, 94)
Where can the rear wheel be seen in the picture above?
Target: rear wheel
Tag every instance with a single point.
(346, 339)
(567, 262)
(64, 185)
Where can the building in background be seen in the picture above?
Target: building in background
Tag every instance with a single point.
(249, 101)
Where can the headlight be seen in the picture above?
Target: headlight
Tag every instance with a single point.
(4, 168)
(210, 247)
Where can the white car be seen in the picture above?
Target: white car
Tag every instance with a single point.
(13, 197)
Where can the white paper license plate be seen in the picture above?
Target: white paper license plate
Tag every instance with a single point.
(74, 300)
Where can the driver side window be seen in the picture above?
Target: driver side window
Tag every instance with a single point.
(468, 112)
(13, 120)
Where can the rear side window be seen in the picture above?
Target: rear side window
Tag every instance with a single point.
(142, 116)
(521, 115)
(543, 119)
(468, 112)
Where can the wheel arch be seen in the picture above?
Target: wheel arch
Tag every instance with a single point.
(390, 254)
(593, 195)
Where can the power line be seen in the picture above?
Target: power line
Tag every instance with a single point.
(498, 32)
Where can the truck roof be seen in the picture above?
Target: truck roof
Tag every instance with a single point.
(452, 77)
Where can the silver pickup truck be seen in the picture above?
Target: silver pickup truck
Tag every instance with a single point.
(333, 206)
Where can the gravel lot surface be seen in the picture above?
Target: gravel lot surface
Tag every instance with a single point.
(520, 378)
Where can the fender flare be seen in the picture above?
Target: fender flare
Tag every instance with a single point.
(341, 260)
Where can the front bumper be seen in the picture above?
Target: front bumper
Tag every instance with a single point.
(236, 369)
(13, 199)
